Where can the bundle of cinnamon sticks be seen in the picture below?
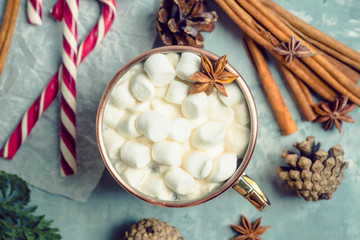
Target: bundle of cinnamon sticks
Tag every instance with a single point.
(328, 75)
(7, 28)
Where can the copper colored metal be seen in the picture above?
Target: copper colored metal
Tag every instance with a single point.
(178, 204)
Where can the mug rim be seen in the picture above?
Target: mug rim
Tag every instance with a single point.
(187, 203)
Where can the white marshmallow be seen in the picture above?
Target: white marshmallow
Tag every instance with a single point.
(224, 166)
(234, 94)
(135, 177)
(194, 192)
(173, 58)
(166, 152)
(155, 186)
(199, 121)
(209, 186)
(145, 141)
(120, 166)
(208, 135)
(154, 125)
(160, 169)
(161, 92)
(121, 96)
(189, 64)
(215, 151)
(201, 188)
(186, 147)
(112, 116)
(218, 111)
(177, 92)
(242, 113)
(167, 109)
(131, 73)
(159, 69)
(141, 87)
(140, 107)
(194, 105)
(113, 143)
(179, 181)
(198, 164)
(135, 154)
(237, 139)
(180, 130)
(126, 127)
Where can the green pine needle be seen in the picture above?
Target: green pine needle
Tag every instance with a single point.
(17, 220)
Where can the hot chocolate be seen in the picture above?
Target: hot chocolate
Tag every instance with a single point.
(167, 143)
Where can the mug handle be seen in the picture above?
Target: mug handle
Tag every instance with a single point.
(248, 188)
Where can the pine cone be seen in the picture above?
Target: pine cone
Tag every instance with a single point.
(314, 174)
(179, 22)
(152, 229)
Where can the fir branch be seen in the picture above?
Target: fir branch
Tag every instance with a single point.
(14, 190)
(17, 220)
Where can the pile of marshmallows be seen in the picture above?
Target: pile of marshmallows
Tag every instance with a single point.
(167, 143)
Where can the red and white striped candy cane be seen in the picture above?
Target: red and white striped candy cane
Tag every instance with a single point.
(51, 90)
(99, 31)
(68, 89)
(34, 12)
(57, 10)
(29, 119)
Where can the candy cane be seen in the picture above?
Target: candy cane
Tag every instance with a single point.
(57, 10)
(51, 90)
(29, 119)
(34, 9)
(68, 89)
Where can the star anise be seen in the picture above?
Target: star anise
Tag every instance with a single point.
(248, 231)
(293, 49)
(334, 112)
(211, 75)
(181, 21)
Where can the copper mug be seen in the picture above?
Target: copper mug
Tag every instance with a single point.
(240, 182)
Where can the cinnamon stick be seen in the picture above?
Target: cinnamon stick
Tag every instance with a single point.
(313, 32)
(277, 103)
(9, 33)
(349, 72)
(251, 32)
(299, 95)
(301, 98)
(5, 21)
(318, 63)
(346, 69)
(307, 92)
(281, 35)
(340, 61)
(315, 78)
(339, 56)
(248, 25)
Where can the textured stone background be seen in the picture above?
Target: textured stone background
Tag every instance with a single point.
(34, 56)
